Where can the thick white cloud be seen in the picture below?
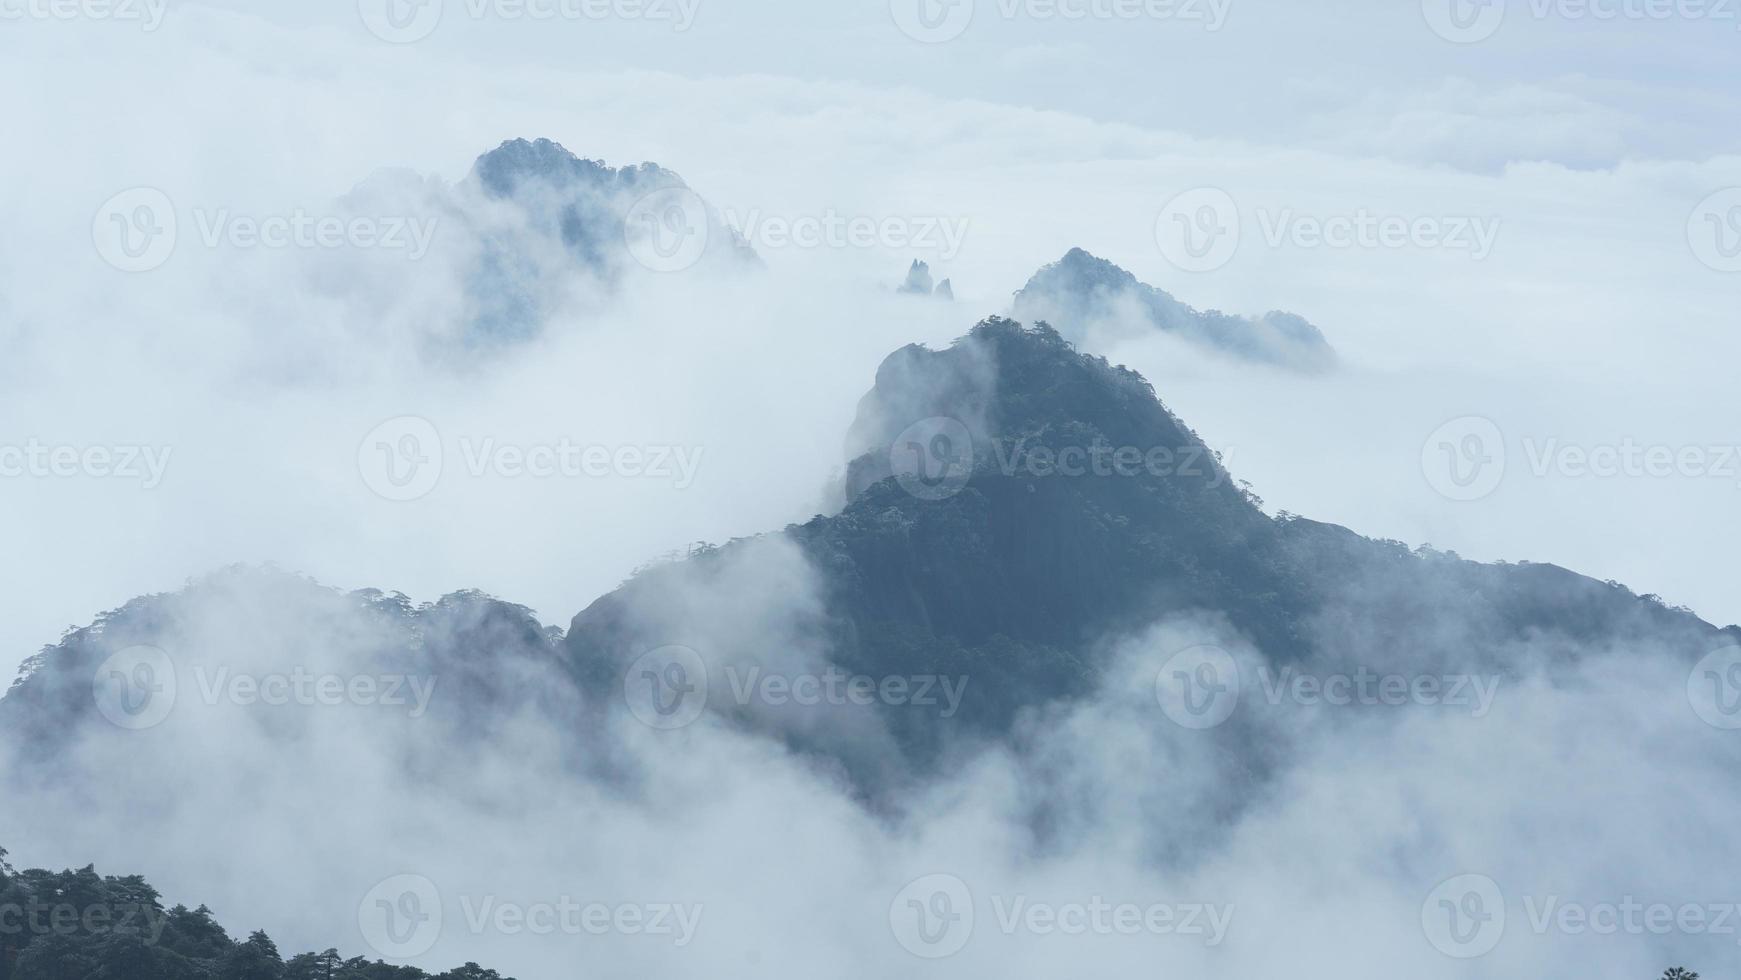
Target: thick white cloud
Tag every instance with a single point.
(1590, 322)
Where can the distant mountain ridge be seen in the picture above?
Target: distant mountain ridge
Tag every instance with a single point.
(595, 208)
(1081, 291)
(919, 283)
(533, 229)
(1013, 571)
(608, 221)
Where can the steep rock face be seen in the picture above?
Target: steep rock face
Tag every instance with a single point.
(1017, 509)
(551, 224)
(1018, 570)
(919, 282)
(591, 207)
(918, 279)
(1080, 292)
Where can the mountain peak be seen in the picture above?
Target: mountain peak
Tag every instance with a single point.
(1022, 395)
(1080, 261)
(609, 220)
(918, 278)
(919, 283)
(1083, 295)
(515, 162)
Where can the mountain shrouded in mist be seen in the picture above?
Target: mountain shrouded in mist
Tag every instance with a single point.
(534, 232)
(1020, 517)
(919, 283)
(544, 200)
(1013, 505)
(595, 209)
(1081, 293)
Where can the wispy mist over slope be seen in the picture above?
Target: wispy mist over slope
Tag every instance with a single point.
(1087, 297)
(1217, 727)
(765, 614)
